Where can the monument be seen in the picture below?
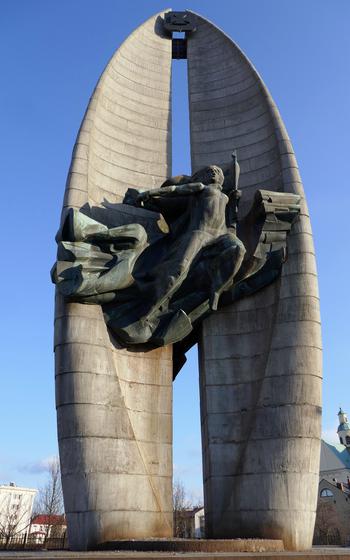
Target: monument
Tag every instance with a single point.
(150, 264)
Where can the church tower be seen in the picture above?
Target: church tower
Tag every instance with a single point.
(343, 429)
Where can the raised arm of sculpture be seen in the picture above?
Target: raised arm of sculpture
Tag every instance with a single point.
(171, 191)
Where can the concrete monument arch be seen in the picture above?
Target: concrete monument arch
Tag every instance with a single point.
(261, 359)
(260, 355)
(113, 407)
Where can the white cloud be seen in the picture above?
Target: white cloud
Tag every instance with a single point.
(36, 467)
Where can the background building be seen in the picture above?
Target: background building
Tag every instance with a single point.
(335, 462)
(344, 429)
(194, 523)
(16, 506)
(333, 514)
(333, 506)
(48, 527)
(335, 459)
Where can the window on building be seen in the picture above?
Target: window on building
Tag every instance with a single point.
(341, 440)
(347, 440)
(326, 493)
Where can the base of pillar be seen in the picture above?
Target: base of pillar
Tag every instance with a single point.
(195, 545)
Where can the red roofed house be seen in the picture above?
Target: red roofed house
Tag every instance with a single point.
(47, 527)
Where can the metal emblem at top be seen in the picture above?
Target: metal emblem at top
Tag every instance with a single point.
(179, 21)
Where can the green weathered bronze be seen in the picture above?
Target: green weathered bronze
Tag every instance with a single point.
(167, 257)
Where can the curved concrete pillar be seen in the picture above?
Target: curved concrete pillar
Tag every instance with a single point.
(260, 359)
(114, 407)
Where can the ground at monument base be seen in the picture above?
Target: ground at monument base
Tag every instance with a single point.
(195, 545)
(324, 553)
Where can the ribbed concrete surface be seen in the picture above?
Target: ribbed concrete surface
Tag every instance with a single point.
(114, 407)
(260, 359)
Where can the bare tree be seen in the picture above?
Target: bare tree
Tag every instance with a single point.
(327, 524)
(50, 500)
(181, 505)
(14, 520)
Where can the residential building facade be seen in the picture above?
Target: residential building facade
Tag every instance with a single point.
(16, 506)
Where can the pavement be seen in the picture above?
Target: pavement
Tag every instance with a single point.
(323, 553)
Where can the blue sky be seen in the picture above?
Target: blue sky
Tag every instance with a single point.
(52, 53)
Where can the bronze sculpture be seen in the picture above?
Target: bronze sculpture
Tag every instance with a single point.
(155, 291)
